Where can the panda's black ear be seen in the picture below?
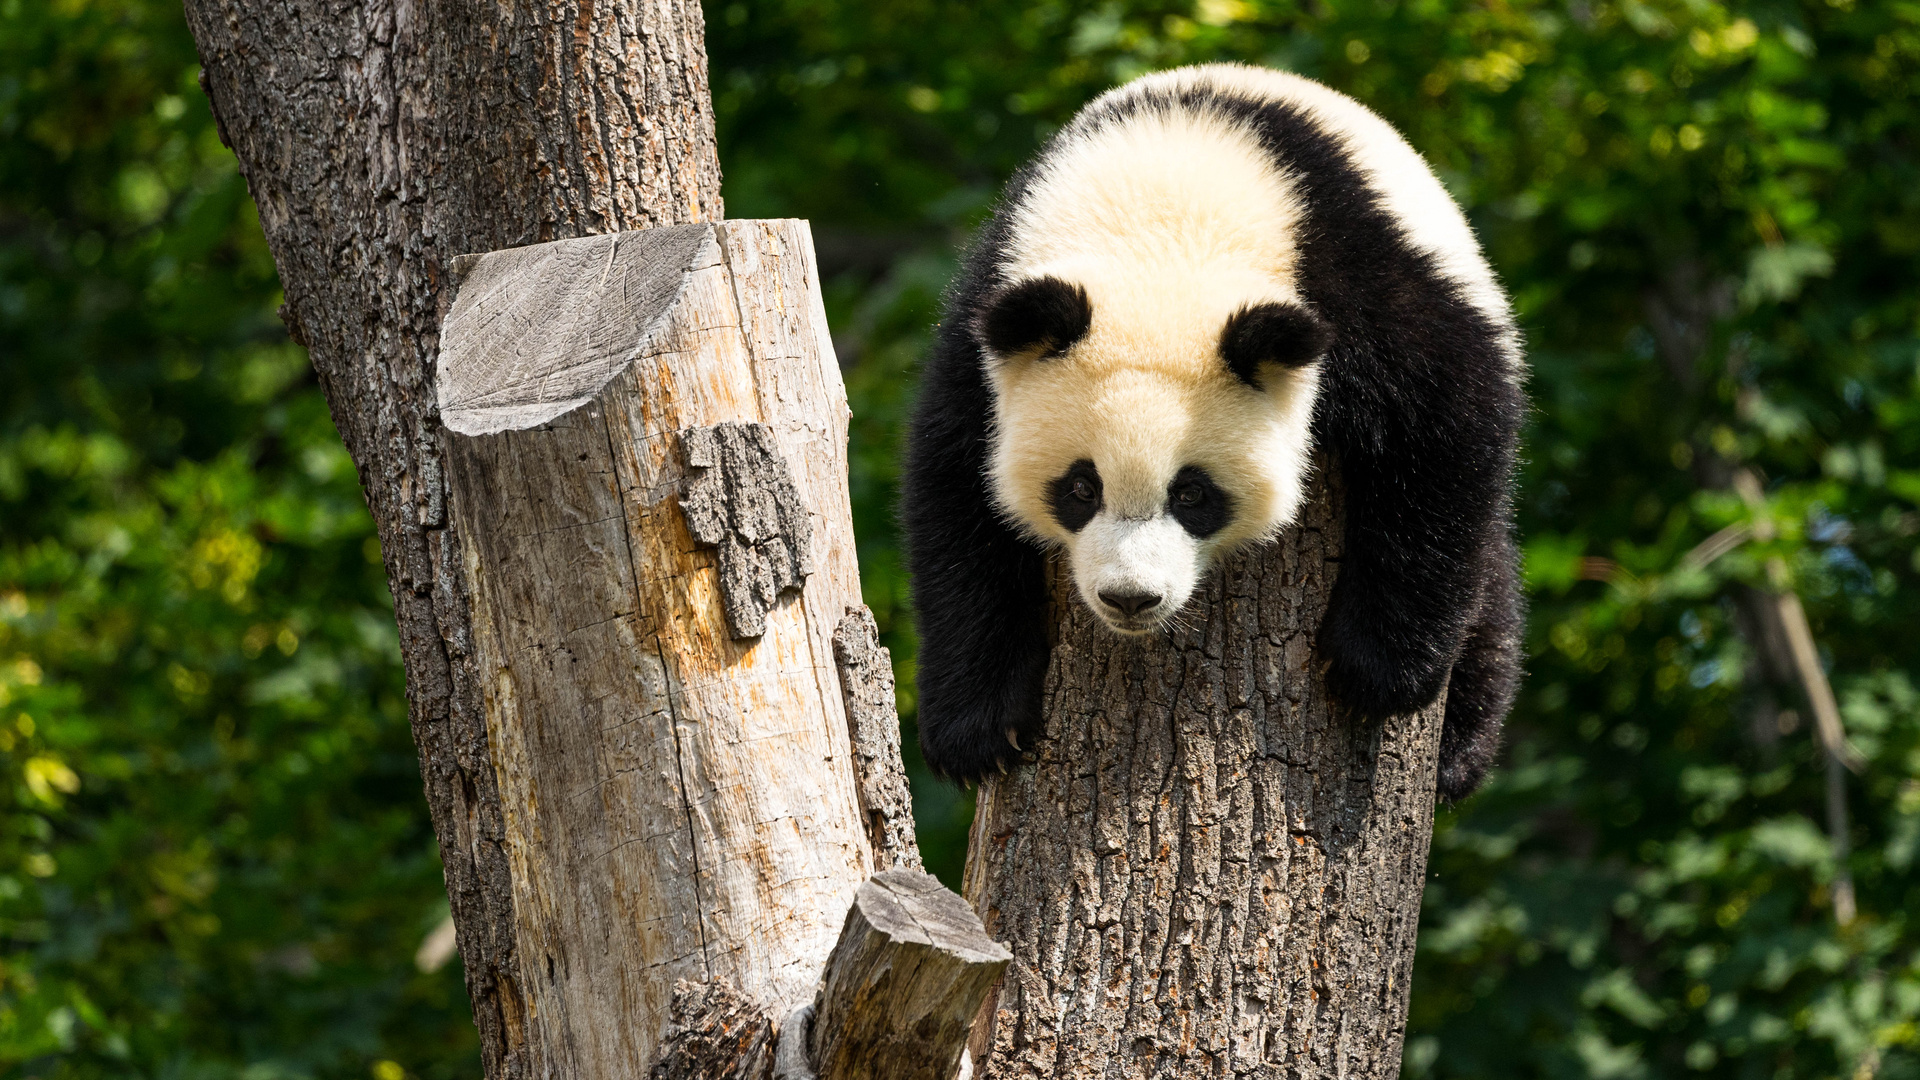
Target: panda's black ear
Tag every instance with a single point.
(1042, 314)
(1285, 334)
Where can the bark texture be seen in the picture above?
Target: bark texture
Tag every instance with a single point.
(741, 502)
(866, 674)
(381, 139)
(1211, 872)
(716, 1034)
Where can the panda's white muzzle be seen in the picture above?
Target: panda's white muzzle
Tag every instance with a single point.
(1135, 572)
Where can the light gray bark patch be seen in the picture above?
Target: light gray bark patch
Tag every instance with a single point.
(740, 499)
(873, 720)
(716, 1034)
(535, 332)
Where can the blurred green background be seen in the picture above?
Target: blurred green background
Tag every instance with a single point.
(215, 859)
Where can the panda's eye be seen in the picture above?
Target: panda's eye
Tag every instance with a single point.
(1074, 495)
(1201, 506)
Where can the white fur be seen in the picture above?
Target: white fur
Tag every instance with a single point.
(1171, 224)
(1427, 214)
(1154, 556)
(1173, 221)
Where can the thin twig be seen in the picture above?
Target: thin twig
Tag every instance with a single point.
(1727, 539)
(1832, 735)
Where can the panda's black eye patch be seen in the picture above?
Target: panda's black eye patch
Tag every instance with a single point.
(1075, 495)
(1043, 313)
(1201, 506)
(1284, 334)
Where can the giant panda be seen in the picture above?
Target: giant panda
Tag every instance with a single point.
(1207, 275)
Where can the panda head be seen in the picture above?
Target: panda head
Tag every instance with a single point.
(1149, 421)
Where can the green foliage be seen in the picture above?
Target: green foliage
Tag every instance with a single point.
(215, 858)
(1709, 216)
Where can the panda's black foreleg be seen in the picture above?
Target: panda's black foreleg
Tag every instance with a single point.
(978, 587)
(1426, 551)
(1486, 676)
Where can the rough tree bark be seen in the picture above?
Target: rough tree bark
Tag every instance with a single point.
(590, 730)
(1211, 872)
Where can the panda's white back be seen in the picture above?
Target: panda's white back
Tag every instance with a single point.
(1188, 199)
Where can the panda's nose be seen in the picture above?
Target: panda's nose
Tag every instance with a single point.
(1132, 605)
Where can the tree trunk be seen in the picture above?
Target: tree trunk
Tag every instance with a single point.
(647, 438)
(1211, 872)
(588, 755)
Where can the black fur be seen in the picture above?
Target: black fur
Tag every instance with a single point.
(977, 585)
(1040, 313)
(1197, 503)
(1486, 675)
(1416, 404)
(1075, 495)
(1284, 334)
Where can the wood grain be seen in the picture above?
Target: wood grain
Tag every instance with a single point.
(1210, 871)
(903, 983)
(678, 803)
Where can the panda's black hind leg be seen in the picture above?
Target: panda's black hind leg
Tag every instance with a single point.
(1485, 677)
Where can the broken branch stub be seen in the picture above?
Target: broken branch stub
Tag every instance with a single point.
(904, 982)
(741, 501)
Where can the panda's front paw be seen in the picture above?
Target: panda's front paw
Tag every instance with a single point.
(1375, 671)
(967, 750)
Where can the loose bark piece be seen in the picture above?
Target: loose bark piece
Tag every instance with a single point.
(740, 501)
(904, 982)
(677, 804)
(380, 140)
(1210, 871)
(866, 680)
(715, 1034)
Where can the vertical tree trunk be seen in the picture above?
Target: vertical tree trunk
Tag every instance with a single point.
(589, 762)
(1211, 872)
(647, 447)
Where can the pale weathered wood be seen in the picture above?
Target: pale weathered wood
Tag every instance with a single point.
(866, 675)
(1210, 872)
(904, 981)
(380, 139)
(678, 803)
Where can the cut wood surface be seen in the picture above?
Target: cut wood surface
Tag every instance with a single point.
(1211, 872)
(903, 983)
(679, 802)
